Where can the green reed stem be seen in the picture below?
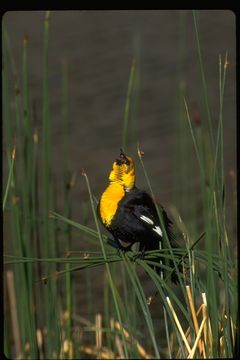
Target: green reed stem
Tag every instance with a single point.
(204, 83)
(10, 176)
(127, 105)
(112, 285)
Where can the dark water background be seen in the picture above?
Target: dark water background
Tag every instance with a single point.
(98, 48)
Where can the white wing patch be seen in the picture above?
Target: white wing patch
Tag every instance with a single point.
(146, 219)
(156, 228)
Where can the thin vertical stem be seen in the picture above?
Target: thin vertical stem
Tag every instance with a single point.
(127, 105)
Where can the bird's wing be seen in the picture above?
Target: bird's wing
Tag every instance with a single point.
(143, 208)
(148, 216)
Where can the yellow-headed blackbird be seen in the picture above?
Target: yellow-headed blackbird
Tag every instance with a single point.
(129, 214)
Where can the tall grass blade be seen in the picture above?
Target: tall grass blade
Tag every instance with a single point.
(10, 175)
(143, 303)
(127, 105)
(112, 285)
(204, 83)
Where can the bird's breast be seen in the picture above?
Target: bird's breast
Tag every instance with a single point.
(108, 204)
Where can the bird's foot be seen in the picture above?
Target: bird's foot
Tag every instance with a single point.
(140, 255)
(116, 244)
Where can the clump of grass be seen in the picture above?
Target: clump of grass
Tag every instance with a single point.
(41, 322)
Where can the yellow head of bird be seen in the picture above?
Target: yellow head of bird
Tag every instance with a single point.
(123, 171)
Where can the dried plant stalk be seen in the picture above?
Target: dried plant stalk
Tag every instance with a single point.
(13, 311)
(178, 325)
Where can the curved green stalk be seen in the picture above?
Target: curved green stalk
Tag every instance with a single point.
(112, 285)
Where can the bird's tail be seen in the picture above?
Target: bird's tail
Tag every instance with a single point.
(154, 245)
